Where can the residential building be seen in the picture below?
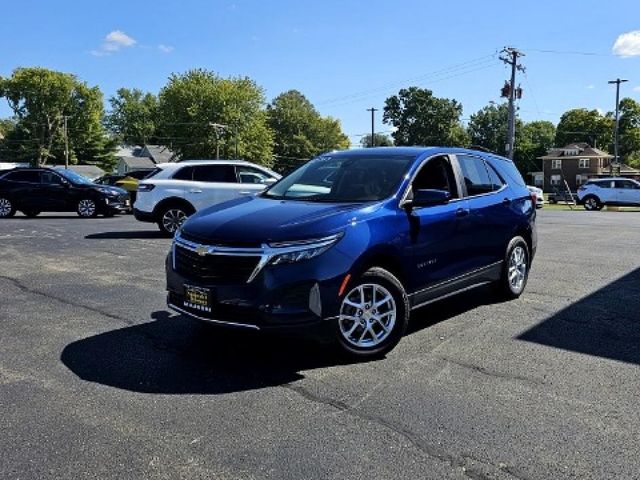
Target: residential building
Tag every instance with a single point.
(575, 163)
(144, 157)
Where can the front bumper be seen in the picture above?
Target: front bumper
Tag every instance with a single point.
(283, 297)
(120, 204)
(143, 216)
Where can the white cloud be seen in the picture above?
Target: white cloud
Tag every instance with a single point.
(114, 41)
(636, 89)
(627, 44)
(591, 87)
(165, 48)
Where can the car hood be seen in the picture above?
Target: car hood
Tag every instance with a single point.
(251, 221)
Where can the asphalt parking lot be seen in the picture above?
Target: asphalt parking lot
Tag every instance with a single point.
(99, 380)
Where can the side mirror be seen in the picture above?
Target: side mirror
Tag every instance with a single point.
(429, 198)
(65, 183)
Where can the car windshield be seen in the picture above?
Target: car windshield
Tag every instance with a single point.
(344, 179)
(74, 177)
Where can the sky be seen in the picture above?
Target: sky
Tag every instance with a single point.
(345, 56)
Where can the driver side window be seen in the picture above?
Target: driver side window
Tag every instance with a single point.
(436, 174)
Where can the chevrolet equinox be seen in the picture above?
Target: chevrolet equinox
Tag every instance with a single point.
(352, 241)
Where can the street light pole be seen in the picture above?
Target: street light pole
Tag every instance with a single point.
(617, 82)
(373, 127)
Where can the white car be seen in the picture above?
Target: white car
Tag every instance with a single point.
(539, 195)
(176, 190)
(609, 191)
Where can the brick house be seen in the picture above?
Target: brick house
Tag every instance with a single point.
(576, 163)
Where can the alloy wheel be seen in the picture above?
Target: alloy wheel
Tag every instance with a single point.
(517, 269)
(367, 315)
(5, 207)
(173, 219)
(591, 203)
(87, 208)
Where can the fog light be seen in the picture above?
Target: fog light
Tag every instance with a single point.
(315, 303)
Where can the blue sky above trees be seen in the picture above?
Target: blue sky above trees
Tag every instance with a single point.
(345, 56)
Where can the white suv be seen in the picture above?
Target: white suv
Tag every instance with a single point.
(177, 190)
(609, 191)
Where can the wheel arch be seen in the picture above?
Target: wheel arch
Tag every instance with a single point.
(172, 201)
(386, 258)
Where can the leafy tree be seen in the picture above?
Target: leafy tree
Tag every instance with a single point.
(629, 130)
(489, 126)
(533, 140)
(40, 100)
(421, 118)
(133, 116)
(582, 125)
(381, 140)
(299, 131)
(202, 115)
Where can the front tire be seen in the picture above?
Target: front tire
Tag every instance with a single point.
(7, 209)
(592, 203)
(87, 208)
(515, 271)
(373, 317)
(172, 217)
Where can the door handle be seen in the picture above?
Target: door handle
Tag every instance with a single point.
(195, 190)
(462, 212)
(506, 201)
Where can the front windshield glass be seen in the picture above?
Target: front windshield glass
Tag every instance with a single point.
(74, 177)
(344, 178)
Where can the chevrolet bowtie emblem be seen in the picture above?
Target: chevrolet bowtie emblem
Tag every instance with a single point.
(202, 250)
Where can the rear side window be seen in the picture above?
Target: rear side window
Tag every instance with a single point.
(185, 173)
(29, 176)
(51, 178)
(251, 175)
(476, 176)
(215, 173)
(508, 170)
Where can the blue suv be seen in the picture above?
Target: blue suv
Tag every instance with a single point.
(354, 240)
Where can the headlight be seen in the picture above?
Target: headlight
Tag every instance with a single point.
(291, 252)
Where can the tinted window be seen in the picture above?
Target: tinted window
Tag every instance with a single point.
(185, 173)
(214, 173)
(606, 184)
(496, 181)
(437, 174)
(31, 176)
(476, 176)
(251, 175)
(51, 178)
(627, 184)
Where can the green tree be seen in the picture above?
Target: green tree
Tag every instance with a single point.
(582, 125)
(421, 118)
(40, 100)
(202, 115)
(629, 130)
(133, 116)
(488, 127)
(381, 140)
(533, 139)
(299, 131)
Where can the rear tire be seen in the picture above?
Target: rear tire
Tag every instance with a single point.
(371, 324)
(7, 209)
(592, 203)
(515, 270)
(171, 218)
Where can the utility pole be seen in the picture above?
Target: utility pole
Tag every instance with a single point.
(373, 127)
(66, 143)
(510, 56)
(617, 81)
(217, 127)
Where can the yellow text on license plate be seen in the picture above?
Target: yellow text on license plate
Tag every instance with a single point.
(196, 297)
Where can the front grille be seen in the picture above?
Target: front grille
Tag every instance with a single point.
(214, 268)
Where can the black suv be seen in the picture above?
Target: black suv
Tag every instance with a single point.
(35, 190)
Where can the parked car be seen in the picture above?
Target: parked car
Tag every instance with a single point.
(539, 195)
(352, 241)
(595, 194)
(35, 190)
(178, 190)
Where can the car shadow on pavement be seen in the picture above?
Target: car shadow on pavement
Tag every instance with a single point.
(137, 234)
(176, 355)
(605, 323)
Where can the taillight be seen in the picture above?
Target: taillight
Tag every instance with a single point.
(146, 187)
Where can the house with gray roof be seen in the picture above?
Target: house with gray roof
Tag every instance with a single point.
(129, 164)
